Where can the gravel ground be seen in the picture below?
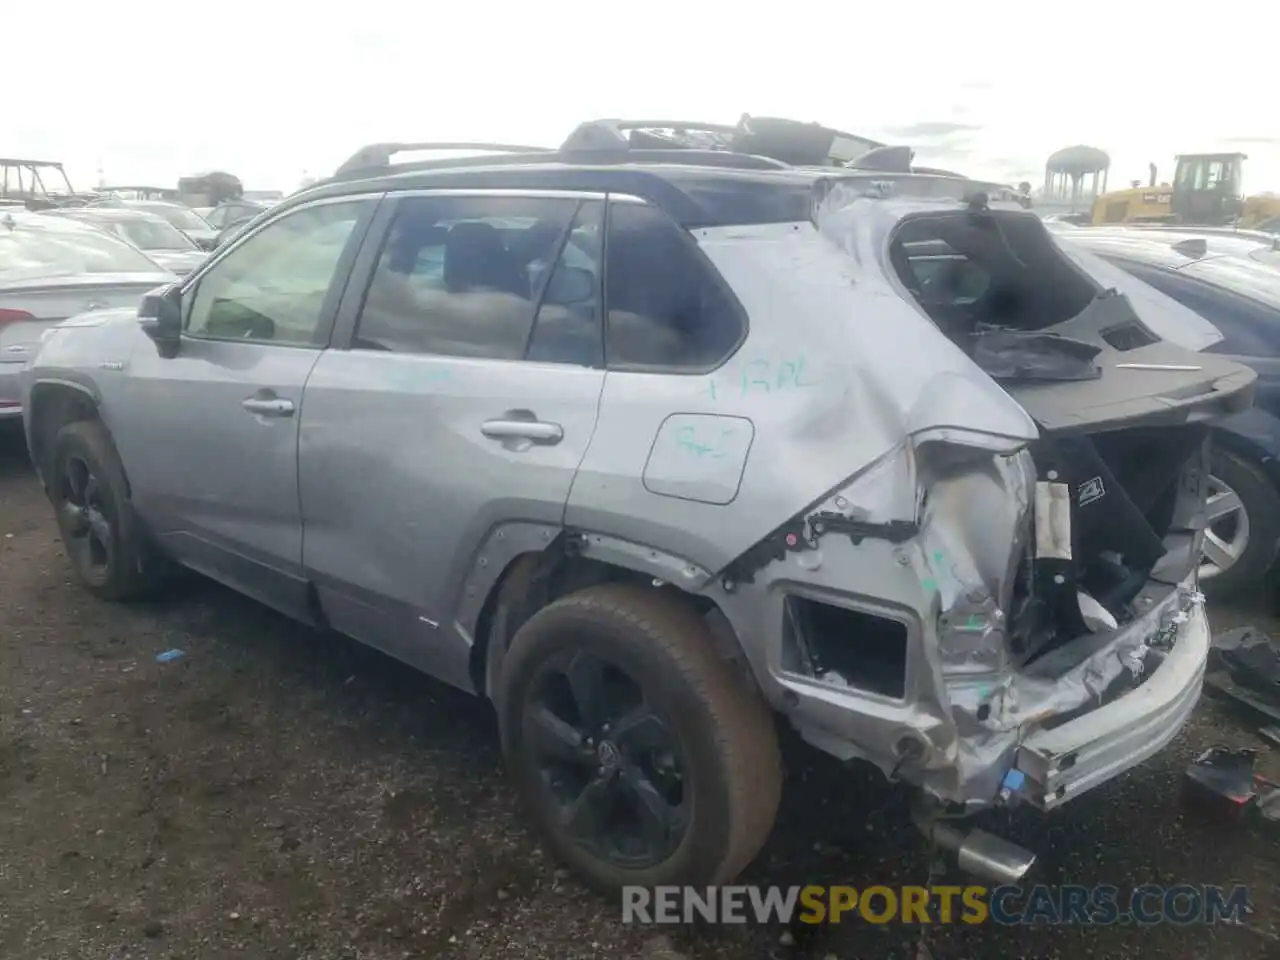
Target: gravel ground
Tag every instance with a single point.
(278, 792)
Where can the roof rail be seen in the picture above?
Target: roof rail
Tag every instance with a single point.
(377, 155)
(684, 156)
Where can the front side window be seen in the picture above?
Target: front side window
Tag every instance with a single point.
(464, 276)
(272, 287)
(667, 306)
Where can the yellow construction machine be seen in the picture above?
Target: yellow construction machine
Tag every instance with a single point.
(1206, 191)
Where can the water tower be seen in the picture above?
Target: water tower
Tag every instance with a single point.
(1075, 173)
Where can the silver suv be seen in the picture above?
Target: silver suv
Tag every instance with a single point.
(656, 448)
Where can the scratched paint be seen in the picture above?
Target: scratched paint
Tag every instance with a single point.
(763, 377)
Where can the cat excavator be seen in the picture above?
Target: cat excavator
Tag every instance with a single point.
(1206, 191)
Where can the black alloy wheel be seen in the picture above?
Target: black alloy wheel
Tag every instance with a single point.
(611, 766)
(644, 757)
(84, 516)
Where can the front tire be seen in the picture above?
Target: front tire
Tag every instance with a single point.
(102, 535)
(1243, 527)
(642, 757)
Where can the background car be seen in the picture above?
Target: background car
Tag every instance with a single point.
(52, 268)
(184, 218)
(157, 237)
(233, 212)
(1239, 293)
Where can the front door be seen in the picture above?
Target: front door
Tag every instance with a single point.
(212, 449)
(465, 401)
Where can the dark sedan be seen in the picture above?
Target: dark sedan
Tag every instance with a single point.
(1238, 291)
(233, 212)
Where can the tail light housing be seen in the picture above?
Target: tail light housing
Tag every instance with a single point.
(8, 316)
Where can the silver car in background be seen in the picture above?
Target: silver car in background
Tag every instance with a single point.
(53, 268)
(153, 235)
(184, 218)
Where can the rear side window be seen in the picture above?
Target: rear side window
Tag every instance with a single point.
(944, 276)
(667, 306)
(467, 277)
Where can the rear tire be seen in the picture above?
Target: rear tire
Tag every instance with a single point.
(104, 540)
(1261, 505)
(708, 754)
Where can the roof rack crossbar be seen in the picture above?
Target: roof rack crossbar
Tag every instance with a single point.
(676, 155)
(380, 154)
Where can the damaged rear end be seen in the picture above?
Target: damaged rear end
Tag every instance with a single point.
(1041, 626)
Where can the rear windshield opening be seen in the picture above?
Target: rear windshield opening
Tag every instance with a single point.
(975, 271)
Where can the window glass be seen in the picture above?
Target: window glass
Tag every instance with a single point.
(945, 276)
(568, 327)
(667, 306)
(52, 247)
(272, 287)
(461, 276)
(152, 233)
(1247, 277)
(180, 217)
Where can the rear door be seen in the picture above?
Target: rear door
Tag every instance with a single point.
(460, 397)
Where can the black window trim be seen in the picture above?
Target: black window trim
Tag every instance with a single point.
(366, 262)
(715, 276)
(338, 283)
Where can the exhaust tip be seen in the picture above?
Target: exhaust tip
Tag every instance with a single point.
(985, 855)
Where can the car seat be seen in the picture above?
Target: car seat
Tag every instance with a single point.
(475, 257)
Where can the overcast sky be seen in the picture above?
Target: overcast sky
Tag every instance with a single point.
(152, 91)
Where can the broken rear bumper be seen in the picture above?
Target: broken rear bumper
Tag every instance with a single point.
(1064, 762)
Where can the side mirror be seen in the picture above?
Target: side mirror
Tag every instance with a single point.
(160, 315)
(570, 285)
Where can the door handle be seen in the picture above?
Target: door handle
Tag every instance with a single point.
(538, 431)
(268, 408)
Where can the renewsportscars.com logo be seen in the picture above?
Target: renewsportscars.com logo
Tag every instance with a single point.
(1102, 905)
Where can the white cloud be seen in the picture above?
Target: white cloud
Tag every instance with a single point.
(157, 90)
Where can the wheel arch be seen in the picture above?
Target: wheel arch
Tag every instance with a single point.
(1250, 448)
(52, 404)
(530, 579)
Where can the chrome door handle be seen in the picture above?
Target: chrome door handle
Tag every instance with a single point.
(268, 408)
(537, 430)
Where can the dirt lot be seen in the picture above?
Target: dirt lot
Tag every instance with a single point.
(276, 792)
